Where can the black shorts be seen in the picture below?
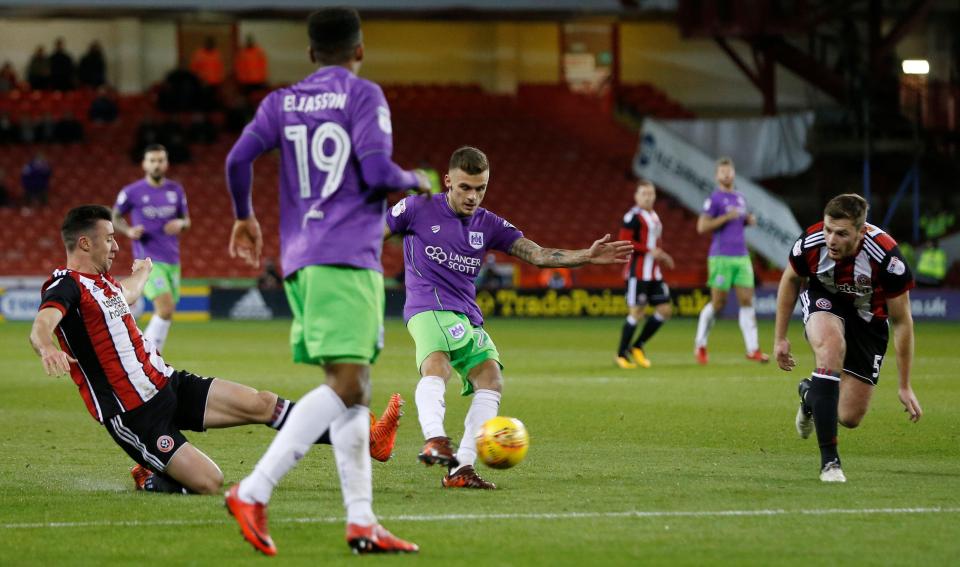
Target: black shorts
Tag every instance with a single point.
(866, 343)
(653, 292)
(150, 434)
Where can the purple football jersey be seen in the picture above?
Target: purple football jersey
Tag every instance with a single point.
(728, 240)
(443, 253)
(324, 126)
(153, 207)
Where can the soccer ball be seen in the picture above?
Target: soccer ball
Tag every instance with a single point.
(502, 442)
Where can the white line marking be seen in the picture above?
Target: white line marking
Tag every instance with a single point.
(531, 516)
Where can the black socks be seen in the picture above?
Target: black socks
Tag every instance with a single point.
(652, 325)
(823, 399)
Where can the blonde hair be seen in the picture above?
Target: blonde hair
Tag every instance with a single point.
(724, 161)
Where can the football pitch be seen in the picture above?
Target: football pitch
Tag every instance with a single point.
(674, 465)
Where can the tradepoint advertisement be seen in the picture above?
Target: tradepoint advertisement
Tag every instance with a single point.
(201, 303)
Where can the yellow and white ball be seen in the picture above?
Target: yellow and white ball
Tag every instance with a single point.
(502, 442)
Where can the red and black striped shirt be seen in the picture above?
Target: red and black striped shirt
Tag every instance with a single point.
(644, 230)
(874, 273)
(117, 370)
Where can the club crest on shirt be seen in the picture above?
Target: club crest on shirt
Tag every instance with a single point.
(863, 280)
(165, 443)
(476, 240)
(172, 196)
(457, 331)
(896, 267)
(435, 228)
(824, 303)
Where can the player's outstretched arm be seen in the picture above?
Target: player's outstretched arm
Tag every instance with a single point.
(124, 228)
(55, 361)
(133, 285)
(601, 252)
(381, 174)
(176, 226)
(902, 320)
(707, 223)
(787, 294)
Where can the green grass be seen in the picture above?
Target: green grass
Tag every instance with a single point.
(676, 438)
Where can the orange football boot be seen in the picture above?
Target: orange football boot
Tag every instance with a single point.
(252, 519)
(376, 539)
(383, 432)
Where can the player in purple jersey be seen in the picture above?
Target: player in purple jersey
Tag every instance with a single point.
(158, 215)
(335, 138)
(445, 239)
(725, 215)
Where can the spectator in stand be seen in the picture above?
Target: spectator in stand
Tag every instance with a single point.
(62, 69)
(148, 133)
(250, 66)
(27, 129)
(45, 129)
(177, 149)
(5, 199)
(8, 77)
(432, 174)
(556, 278)
(937, 222)
(38, 70)
(35, 179)
(9, 132)
(103, 109)
(181, 92)
(92, 70)
(237, 110)
(68, 129)
(932, 265)
(207, 63)
(201, 129)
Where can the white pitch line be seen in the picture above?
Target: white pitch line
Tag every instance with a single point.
(506, 516)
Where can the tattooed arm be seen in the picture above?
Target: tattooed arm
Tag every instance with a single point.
(601, 252)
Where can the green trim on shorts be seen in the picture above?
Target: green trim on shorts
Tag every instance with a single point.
(725, 272)
(451, 332)
(337, 314)
(164, 278)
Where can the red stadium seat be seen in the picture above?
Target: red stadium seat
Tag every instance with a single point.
(557, 172)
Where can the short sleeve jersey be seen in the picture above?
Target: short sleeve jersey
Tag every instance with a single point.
(865, 280)
(153, 207)
(117, 370)
(644, 230)
(324, 126)
(729, 239)
(443, 252)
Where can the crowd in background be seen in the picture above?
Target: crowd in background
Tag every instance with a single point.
(194, 103)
